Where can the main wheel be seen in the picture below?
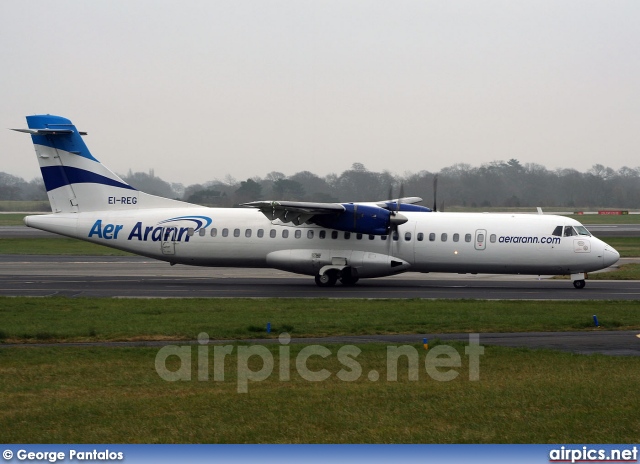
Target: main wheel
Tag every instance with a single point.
(578, 283)
(328, 279)
(349, 280)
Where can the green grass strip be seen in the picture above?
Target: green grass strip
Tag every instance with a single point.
(12, 219)
(606, 218)
(625, 272)
(26, 319)
(102, 395)
(55, 246)
(628, 247)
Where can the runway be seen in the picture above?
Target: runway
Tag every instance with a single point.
(138, 277)
(607, 342)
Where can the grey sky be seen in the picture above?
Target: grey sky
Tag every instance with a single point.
(201, 89)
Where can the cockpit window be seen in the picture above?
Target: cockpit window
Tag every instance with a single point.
(557, 231)
(568, 231)
(582, 230)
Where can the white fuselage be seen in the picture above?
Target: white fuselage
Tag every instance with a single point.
(427, 242)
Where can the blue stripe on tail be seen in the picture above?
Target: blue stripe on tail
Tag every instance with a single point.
(59, 176)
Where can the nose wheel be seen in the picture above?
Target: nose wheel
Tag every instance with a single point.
(578, 283)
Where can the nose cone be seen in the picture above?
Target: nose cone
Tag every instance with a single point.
(610, 256)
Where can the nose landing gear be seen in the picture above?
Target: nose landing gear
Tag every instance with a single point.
(578, 279)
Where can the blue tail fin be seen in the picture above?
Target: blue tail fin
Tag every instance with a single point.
(75, 180)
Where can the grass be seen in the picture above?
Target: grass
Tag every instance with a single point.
(36, 206)
(606, 218)
(628, 247)
(625, 272)
(103, 395)
(55, 246)
(24, 319)
(12, 219)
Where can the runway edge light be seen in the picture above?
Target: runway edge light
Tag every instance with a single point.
(425, 343)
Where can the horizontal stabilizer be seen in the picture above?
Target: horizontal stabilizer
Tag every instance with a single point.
(48, 131)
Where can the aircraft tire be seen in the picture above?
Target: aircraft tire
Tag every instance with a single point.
(349, 280)
(578, 283)
(328, 279)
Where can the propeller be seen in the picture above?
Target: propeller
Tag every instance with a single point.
(435, 192)
(396, 219)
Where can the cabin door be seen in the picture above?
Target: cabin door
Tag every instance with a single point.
(169, 240)
(481, 239)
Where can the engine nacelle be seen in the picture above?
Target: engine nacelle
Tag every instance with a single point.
(310, 261)
(362, 219)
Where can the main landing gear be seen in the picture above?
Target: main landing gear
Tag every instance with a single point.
(328, 279)
(347, 276)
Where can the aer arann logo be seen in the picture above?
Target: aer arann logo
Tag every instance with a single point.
(201, 221)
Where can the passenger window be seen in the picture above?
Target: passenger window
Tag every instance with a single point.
(359, 236)
(236, 232)
(557, 231)
(310, 234)
(443, 237)
(225, 232)
(334, 234)
(456, 237)
(383, 237)
(395, 236)
(420, 236)
(432, 237)
(568, 231)
(372, 237)
(247, 233)
(347, 235)
(214, 232)
(260, 233)
(492, 238)
(190, 232)
(298, 233)
(202, 232)
(272, 233)
(467, 238)
(407, 236)
(480, 238)
(285, 233)
(323, 233)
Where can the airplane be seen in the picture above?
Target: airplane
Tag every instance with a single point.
(330, 241)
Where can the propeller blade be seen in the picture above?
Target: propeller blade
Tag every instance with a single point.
(355, 216)
(435, 192)
(400, 198)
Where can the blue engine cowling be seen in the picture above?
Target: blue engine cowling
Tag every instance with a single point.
(362, 219)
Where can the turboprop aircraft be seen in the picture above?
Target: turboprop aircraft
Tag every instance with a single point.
(331, 241)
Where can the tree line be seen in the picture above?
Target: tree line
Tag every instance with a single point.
(495, 184)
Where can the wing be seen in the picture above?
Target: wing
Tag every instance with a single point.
(296, 212)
